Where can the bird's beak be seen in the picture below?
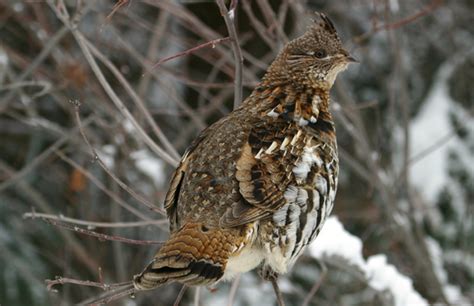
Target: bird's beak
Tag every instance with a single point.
(348, 57)
(351, 59)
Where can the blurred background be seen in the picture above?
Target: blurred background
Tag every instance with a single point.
(404, 118)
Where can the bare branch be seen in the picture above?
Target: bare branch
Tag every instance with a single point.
(233, 290)
(316, 285)
(259, 27)
(393, 26)
(180, 295)
(100, 236)
(116, 7)
(272, 20)
(92, 224)
(197, 296)
(41, 157)
(211, 43)
(65, 280)
(55, 39)
(136, 98)
(238, 58)
(438, 144)
(276, 288)
(101, 186)
(108, 88)
(114, 294)
(137, 196)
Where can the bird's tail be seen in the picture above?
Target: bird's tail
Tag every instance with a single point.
(194, 255)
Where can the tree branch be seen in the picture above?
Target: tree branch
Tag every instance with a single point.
(238, 58)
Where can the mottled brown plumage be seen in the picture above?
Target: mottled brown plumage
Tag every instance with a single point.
(255, 187)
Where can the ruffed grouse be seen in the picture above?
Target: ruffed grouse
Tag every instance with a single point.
(256, 186)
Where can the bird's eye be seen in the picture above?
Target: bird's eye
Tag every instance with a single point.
(320, 53)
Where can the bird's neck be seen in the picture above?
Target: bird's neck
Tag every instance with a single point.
(304, 105)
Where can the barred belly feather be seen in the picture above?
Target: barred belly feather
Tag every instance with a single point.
(308, 202)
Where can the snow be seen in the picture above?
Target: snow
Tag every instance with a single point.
(334, 240)
(107, 155)
(394, 6)
(18, 7)
(128, 126)
(430, 126)
(232, 14)
(145, 162)
(452, 293)
(3, 65)
(251, 291)
(383, 276)
(430, 173)
(432, 123)
(149, 165)
(3, 58)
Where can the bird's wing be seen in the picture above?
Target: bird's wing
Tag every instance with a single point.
(171, 199)
(172, 196)
(265, 170)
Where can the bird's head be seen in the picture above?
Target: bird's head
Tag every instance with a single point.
(313, 59)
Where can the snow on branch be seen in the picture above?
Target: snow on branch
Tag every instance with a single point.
(335, 241)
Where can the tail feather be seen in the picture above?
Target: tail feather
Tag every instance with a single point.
(195, 273)
(194, 255)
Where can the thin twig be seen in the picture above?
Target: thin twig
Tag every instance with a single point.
(233, 291)
(279, 295)
(317, 284)
(100, 236)
(438, 144)
(169, 90)
(92, 224)
(229, 17)
(200, 28)
(34, 196)
(159, 30)
(50, 283)
(116, 7)
(45, 87)
(424, 11)
(111, 296)
(52, 42)
(135, 195)
(41, 157)
(118, 102)
(211, 43)
(272, 20)
(180, 295)
(197, 296)
(101, 186)
(136, 99)
(259, 27)
(395, 25)
(64, 17)
(282, 13)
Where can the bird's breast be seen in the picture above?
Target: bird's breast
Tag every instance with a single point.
(309, 200)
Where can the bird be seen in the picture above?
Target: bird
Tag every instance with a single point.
(253, 189)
